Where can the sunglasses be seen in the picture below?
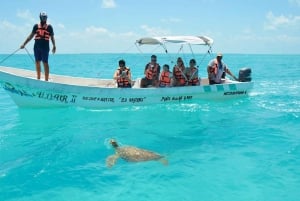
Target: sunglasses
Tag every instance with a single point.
(43, 18)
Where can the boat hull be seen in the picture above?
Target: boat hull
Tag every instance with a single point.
(26, 91)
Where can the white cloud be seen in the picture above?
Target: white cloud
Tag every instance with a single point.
(108, 4)
(14, 35)
(7, 25)
(276, 22)
(96, 30)
(128, 34)
(154, 31)
(91, 39)
(11, 29)
(94, 39)
(26, 15)
(297, 2)
(60, 25)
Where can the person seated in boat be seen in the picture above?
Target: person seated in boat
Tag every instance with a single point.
(165, 77)
(123, 75)
(152, 71)
(191, 74)
(179, 76)
(217, 70)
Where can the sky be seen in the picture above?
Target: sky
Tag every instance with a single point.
(113, 26)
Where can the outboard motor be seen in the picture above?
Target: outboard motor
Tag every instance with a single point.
(245, 75)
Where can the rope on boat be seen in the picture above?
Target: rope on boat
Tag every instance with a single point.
(209, 51)
(9, 56)
(15, 53)
(29, 55)
(191, 49)
(152, 50)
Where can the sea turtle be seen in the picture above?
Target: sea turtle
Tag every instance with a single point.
(132, 154)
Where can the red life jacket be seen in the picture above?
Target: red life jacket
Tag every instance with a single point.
(165, 79)
(214, 68)
(123, 82)
(42, 32)
(151, 72)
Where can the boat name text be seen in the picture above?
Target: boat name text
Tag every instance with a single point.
(132, 100)
(56, 97)
(113, 100)
(235, 93)
(9, 87)
(175, 98)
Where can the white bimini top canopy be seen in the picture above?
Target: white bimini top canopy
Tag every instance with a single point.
(191, 40)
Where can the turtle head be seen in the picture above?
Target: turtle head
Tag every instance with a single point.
(114, 143)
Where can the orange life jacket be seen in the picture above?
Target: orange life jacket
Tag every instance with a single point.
(178, 74)
(195, 80)
(123, 82)
(165, 79)
(151, 72)
(42, 32)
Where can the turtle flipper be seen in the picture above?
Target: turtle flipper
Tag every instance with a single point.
(164, 161)
(111, 160)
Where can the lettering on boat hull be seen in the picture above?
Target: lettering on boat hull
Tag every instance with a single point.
(9, 87)
(100, 99)
(132, 100)
(175, 98)
(114, 100)
(45, 97)
(234, 93)
(63, 98)
(56, 97)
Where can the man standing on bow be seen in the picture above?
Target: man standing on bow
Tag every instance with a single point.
(43, 32)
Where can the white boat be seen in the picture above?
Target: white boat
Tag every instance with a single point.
(27, 91)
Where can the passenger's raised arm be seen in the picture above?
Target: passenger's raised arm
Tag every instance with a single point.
(180, 78)
(192, 74)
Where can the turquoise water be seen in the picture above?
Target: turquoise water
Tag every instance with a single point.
(237, 150)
